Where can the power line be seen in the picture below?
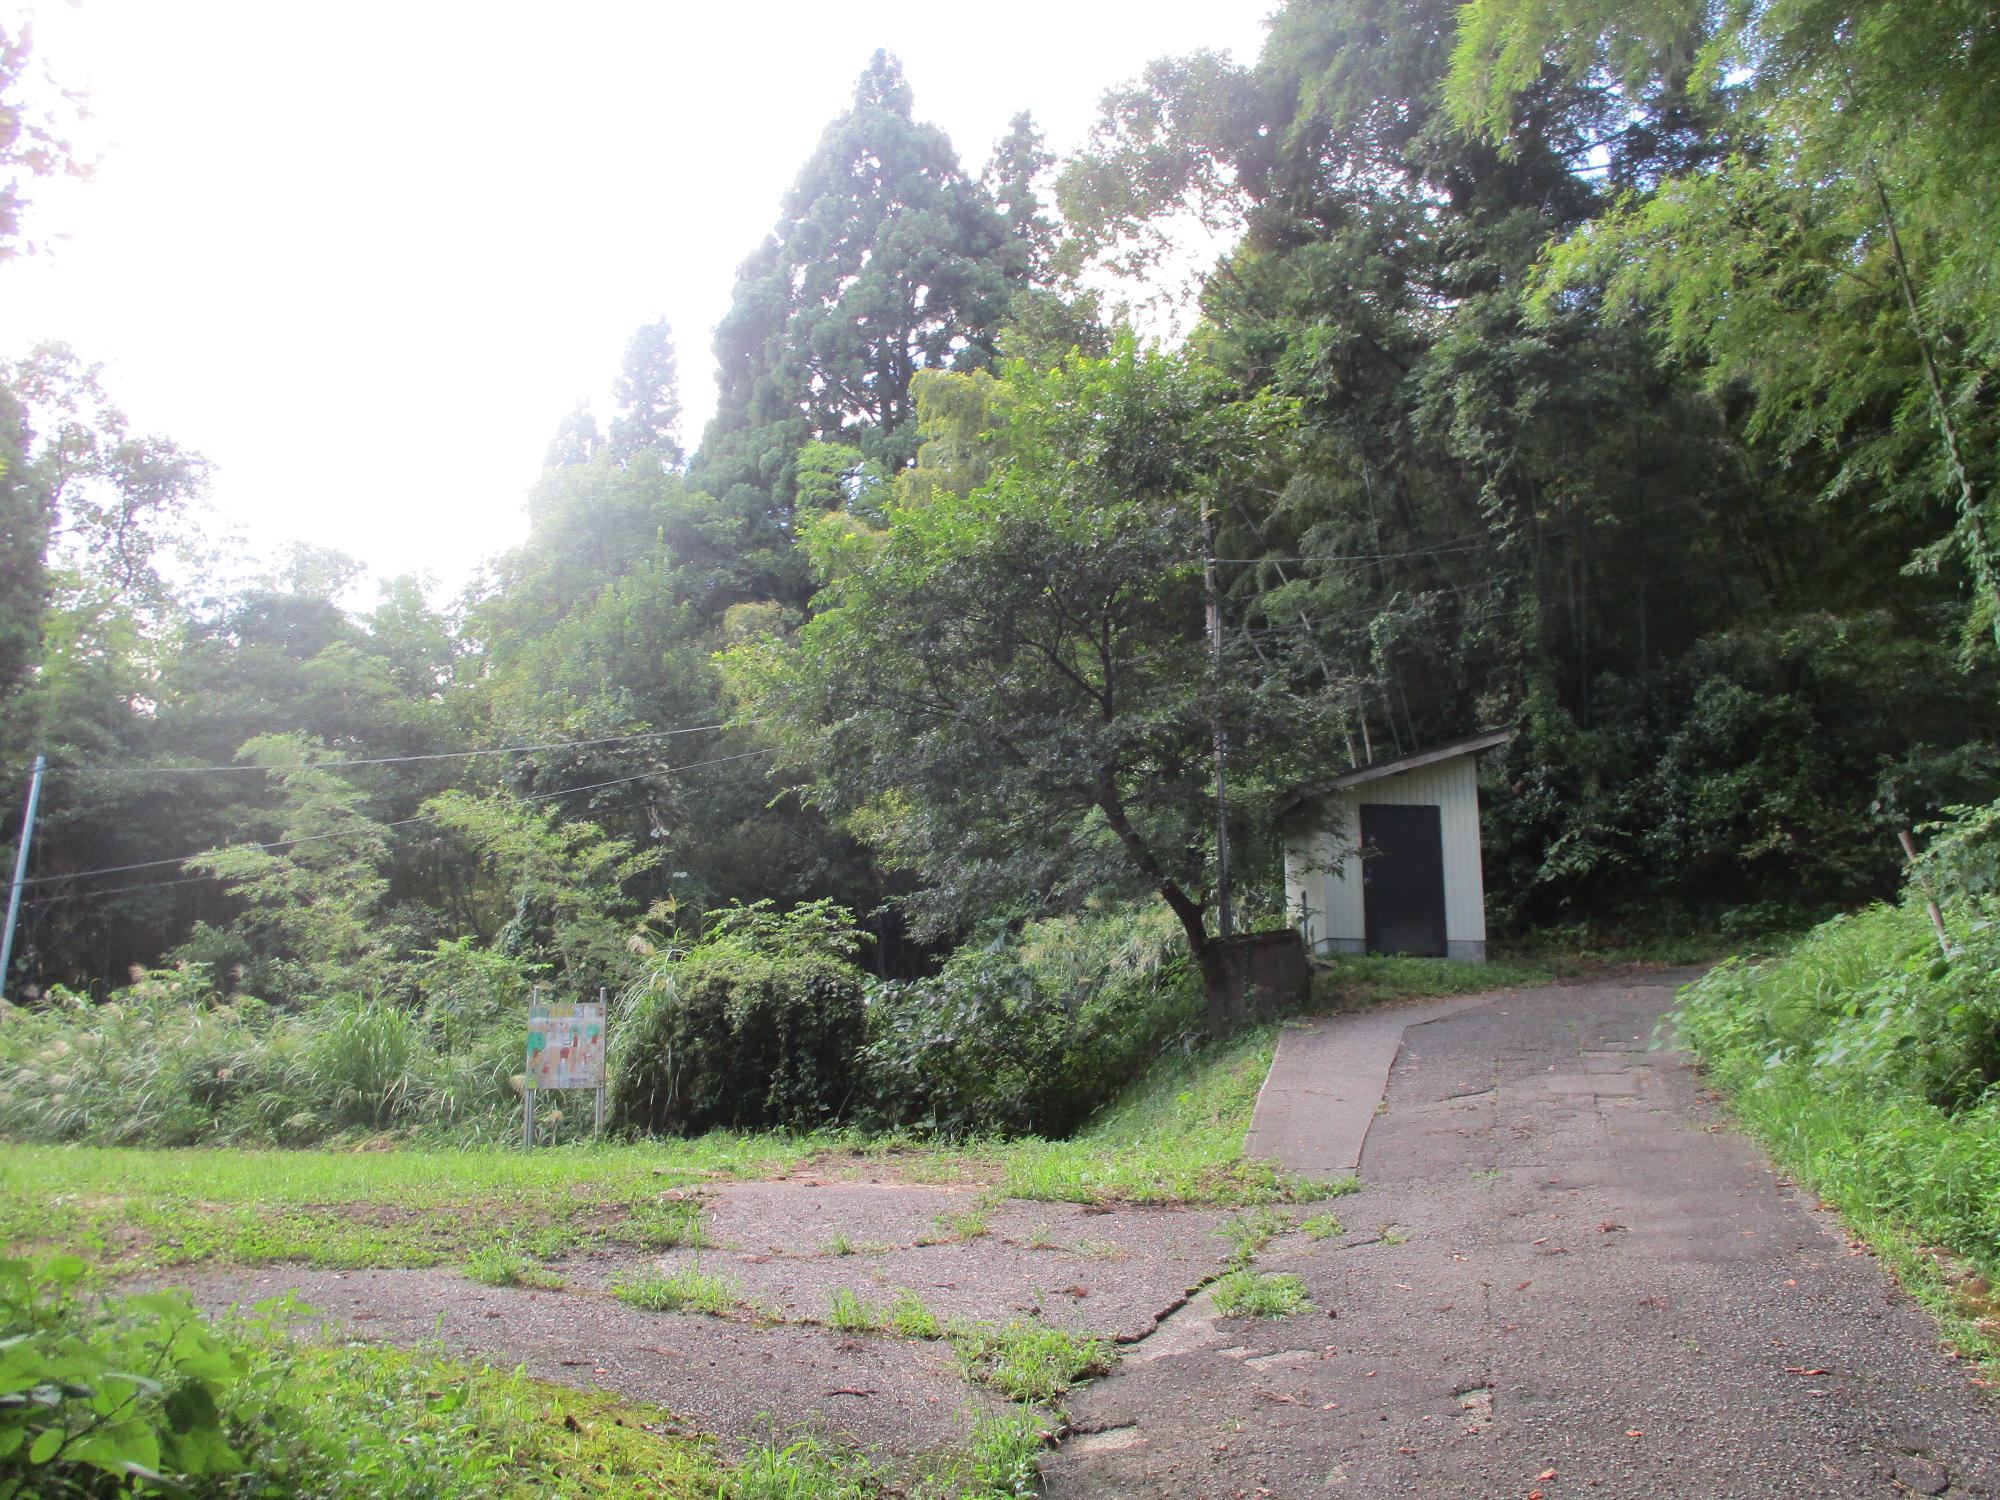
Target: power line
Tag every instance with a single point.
(398, 760)
(339, 833)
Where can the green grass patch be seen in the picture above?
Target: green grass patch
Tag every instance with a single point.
(239, 1407)
(372, 1208)
(1322, 1227)
(848, 1311)
(505, 1265)
(1246, 1293)
(1362, 980)
(1028, 1361)
(689, 1289)
(910, 1319)
(1860, 1061)
(1174, 1137)
(1001, 1464)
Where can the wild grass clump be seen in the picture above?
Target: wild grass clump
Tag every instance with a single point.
(1001, 1464)
(689, 1289)
(1028, 1361)
(170, 1061)
(1259, 1294)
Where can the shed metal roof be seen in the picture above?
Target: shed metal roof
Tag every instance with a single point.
(1375, 770)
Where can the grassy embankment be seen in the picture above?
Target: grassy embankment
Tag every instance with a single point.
(1866, 1062)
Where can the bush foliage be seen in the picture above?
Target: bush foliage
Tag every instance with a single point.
(757, 1024)
(1031, 1034)
(1870, 1057)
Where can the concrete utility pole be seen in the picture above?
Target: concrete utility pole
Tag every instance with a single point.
(20, 873)
(1224, 923)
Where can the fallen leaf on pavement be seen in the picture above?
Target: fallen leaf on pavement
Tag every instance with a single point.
(1802, 1370)
(1546, 1474)
(1633, 1432)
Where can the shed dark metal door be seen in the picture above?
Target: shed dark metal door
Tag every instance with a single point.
(1402, 879)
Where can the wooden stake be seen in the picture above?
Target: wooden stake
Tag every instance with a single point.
(1937, 917)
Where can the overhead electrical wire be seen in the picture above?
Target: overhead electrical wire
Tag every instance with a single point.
(399, 760)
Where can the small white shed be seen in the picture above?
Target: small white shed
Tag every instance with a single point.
(1385, 858)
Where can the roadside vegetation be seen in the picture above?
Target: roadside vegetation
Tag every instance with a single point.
(1868, 1060)
(1176, 1136)
(108, 1393)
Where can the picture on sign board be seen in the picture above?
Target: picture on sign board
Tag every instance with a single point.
(566, 1044)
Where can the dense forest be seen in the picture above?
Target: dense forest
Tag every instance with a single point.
(1622, 374)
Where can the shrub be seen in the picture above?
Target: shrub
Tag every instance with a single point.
(1030, 1035)
(757, 1025)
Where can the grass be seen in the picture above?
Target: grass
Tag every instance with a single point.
(910, 1319)
(689, 1289)
(847, 1311)
(1250, 1232)
(1000, 1465)
(1028, 1361)
(458, 1429)
(240, 1406)
(1177, 1137)
(1024, 1360)
(1831, 1056)
(1354, 983)
(967, 1224)
(1173, 1137)
(1321, 1227)
(1245, 1293)
(505, 1265)
(147, 1208)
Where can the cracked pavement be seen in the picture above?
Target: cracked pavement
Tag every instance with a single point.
(1563, 1275)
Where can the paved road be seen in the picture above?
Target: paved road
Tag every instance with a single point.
(1563, 1275)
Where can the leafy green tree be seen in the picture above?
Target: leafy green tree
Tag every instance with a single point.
(577, 439)
(647, 391)
(1008, 689)
(318, 894)
(1016, 180)
(560, 890)
(1837, 263)
(887, 260)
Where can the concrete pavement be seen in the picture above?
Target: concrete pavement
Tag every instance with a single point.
(1564, 1276)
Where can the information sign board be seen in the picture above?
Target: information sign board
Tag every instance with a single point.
(566, 1044)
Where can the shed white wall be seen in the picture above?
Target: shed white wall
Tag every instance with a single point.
(1323, 866)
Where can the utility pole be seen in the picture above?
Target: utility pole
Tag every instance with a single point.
(20, 874)
(1223, 921)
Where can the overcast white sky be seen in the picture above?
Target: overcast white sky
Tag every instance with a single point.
(364, 256)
